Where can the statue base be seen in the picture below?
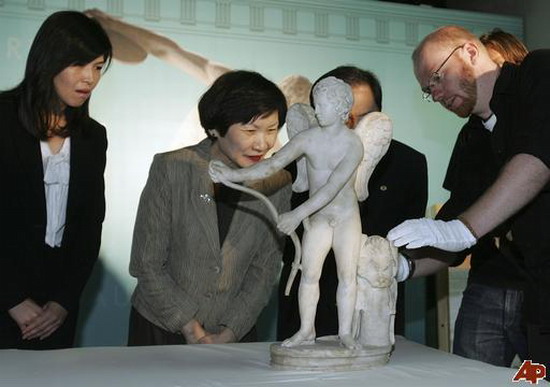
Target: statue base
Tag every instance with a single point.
(327, 354)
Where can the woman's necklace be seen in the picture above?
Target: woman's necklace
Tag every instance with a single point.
(55, 141)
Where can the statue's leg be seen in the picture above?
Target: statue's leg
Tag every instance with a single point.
(346, 246)
(316, 244)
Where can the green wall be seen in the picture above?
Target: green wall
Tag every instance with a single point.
(144, 105)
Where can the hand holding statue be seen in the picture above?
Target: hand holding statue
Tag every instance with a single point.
(449, 236)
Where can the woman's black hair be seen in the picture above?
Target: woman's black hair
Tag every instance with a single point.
(65, 38)
(239, 97)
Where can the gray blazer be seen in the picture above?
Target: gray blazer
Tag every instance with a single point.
(182, 270)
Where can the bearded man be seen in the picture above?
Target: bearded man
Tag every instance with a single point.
(454, 69)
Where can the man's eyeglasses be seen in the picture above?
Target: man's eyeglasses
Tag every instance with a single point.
(436, 78)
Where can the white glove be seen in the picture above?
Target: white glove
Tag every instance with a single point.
(403, 268)
(414, 233)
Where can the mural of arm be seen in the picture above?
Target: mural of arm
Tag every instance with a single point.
(125, 37)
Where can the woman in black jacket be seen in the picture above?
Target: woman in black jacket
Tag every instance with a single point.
(52, 159)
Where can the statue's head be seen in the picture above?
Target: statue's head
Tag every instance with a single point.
(333, 100)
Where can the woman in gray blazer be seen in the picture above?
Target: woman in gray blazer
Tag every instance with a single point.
(205, 256)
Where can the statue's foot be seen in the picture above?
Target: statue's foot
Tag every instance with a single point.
(300, 338)
(349, 342)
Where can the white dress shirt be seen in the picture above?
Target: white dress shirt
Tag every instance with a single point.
(490, 123)
(56, 184)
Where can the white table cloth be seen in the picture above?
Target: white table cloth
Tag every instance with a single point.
(240, 365)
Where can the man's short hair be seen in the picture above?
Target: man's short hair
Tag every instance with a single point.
(445, 37)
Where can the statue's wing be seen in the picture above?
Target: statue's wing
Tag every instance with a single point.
(375, 131)
(300, 117)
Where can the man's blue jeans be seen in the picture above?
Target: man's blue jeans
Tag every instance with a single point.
(488, 326)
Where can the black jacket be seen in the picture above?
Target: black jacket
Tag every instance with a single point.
(25, 271)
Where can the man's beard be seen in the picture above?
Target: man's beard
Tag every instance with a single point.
(468, 86)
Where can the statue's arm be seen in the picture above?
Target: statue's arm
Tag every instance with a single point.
(290, 152)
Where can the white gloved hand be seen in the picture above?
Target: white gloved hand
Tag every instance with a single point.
(403, 268)
(450, 236)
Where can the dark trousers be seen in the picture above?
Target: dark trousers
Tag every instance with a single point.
(489, 325)
(538, 337)
(143, 332)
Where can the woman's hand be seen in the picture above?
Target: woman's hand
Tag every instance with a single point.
(225, 336)
(193, 332)
(24, 312)
(52, 316)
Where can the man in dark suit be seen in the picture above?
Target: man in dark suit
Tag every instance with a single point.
(398, 190)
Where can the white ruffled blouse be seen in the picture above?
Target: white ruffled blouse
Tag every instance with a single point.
(56, 184)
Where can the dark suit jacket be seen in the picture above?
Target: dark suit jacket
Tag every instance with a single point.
(398, 190)
(26, 269)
